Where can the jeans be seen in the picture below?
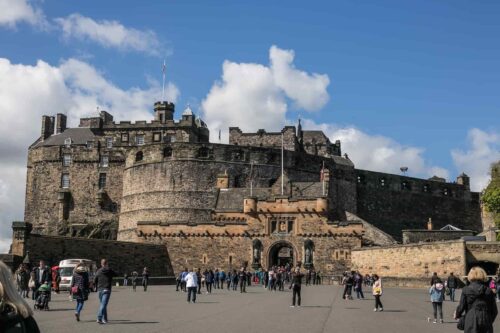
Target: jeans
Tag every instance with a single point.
(191, 290)
(378, 303)
(104, 296)
(243, 286)
(296, 293)
(437, 306)
(79, 306)
(452, 294)
(359, 293)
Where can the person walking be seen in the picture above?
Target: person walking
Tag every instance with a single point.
(377, 292)
(452, 284)
(104, 280)
(80, 288)
(296, 287)
(125, 280)
(16, 315)
(191, 280)
(183, 276)
(234, 280)
(43, 275)
(198, 279)
(437, 297)
(22, 278)
(145, 278)
(434, 278)
(32, 284)
(477, 309)
(358, 286)
(134, 278)
(216, 278)
(242, 277)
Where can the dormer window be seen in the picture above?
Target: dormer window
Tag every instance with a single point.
(66, 160)
(109, 142)
(139, 139)
(67, 142)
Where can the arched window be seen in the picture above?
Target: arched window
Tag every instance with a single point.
(167, 152)
(139, 156)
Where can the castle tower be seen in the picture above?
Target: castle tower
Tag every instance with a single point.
(164, 111)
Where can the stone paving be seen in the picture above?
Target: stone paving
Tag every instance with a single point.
(162, 309)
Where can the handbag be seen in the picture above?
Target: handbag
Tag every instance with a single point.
(31, 283)
(74, 290)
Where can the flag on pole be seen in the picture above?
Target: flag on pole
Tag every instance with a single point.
(164, 67)
(163, 70)
(219, 135)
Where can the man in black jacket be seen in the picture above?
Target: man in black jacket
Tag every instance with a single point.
(296, 286)
(42, 275)
(452, 284)
(104, 280)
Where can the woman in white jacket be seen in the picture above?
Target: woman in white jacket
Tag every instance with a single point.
(191, 285)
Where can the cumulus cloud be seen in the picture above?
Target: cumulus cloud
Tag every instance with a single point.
(377, 152)
(14, 11)
(254, 96)
(483, 149)
(73, 87)
(110, 34)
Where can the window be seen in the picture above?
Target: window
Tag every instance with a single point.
(446, 191)
(124, 137)
(157, 137)
(382, 182)
(167, 152)
(139, 139)
(238, 155)
(67, 142)
(66, 160)
(90, 144)
(405, 185)
(203, 152)
(426, 188)
(139, 156)
(169, 138)
(104, 161)
(102, 180)
(65, 180)
(361, 179)
(109, 142)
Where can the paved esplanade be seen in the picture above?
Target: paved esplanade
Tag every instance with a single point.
(162, 309)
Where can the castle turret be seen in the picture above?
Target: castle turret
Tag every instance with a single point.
(164, 111)
(464, 180)
(250, 205)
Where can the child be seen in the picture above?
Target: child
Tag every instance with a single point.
(43, 298)
(437, 297)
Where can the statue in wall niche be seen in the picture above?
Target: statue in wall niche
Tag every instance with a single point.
(257, 248)
(308, 256)
(308, 253)
(256, 255)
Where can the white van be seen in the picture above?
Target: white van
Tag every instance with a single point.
(66, 268)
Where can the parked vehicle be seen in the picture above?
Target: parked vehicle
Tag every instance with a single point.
(66, 268)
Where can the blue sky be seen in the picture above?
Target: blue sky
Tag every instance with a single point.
(418, 79)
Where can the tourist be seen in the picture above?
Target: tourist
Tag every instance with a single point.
(22, 279)
(15, 314)
(308, 277)
(498, 287)
(377, 292)
(198, 279)
(228, 279)
(452, 284)
(125, 280)
(313, 276)
(191, 281)
(56, 279)
(135, 277)
(32, 284)
(42, 276)
(347, 281)
(296, 286)
(222, 278)
(103, 280)
(178, 281)
(216, 279)
(477, 309)
(145, 278)
(209, 280)
(80, 288)
(358, 285)
(234, 281)
(182, 277)
(437, 297)
(434, 278)
(242, 277)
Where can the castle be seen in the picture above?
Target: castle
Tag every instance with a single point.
(266, 198)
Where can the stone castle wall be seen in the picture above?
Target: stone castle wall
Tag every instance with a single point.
(415, 260)
(418, 236)
(394, 206)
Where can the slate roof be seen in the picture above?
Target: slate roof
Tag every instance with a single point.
(79, 136)
(231, 199)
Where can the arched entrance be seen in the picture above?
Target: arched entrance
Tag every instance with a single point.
(281, 254)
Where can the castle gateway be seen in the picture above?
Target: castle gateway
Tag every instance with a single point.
(225, 205)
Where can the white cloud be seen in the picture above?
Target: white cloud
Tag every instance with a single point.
(254, 96)
(483, 149)
(15, 11)
(74, 87)
(110, 34)
(377, 152)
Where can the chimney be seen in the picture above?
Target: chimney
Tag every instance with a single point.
(429, 224)
(47, 127)
(61, 123)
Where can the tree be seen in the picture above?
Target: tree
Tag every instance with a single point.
(491, 195)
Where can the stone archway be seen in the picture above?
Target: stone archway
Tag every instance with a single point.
(281, 253)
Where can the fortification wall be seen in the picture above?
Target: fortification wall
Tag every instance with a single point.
(417, 236)
(407, 203)
(417, 261)
(124, 257)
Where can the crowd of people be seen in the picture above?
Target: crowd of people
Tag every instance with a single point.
(476, 310)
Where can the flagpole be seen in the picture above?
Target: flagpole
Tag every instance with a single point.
(282, 164)
(163, 88)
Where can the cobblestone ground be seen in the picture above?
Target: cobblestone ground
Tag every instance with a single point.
(162, 309)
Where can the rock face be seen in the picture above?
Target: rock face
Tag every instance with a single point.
(163, 182)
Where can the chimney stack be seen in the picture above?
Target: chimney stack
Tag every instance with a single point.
(47, 127)
(61, 123)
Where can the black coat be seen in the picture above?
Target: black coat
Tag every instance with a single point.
(81, 279)
(477, 304)
(46, 276)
